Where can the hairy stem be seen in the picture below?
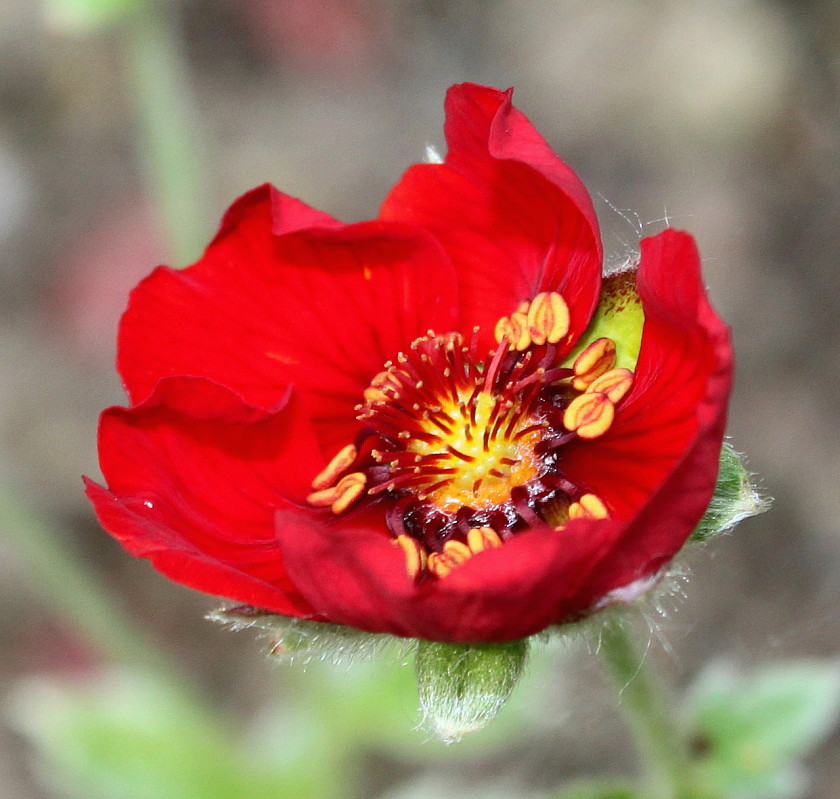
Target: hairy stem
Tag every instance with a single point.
(647, 706)
(168, 132)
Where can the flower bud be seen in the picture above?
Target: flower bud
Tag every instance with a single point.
(463, 686)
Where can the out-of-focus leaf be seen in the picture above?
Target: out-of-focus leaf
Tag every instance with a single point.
(749, 730)
(128, 737)
(600, 790)
(86, 16)
(734, 500)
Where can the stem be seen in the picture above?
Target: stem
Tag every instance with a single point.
(659, 739)
(168, 130)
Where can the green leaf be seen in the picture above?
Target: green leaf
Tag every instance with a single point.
(734, 500)
(88, 16)
(463, 686)
(749, 730)
(124, 736)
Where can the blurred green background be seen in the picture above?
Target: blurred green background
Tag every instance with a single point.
(121, 143)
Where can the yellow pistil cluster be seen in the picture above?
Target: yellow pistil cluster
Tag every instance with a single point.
(485, 451)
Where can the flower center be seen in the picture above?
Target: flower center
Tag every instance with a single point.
(465, 451)
(485, 448)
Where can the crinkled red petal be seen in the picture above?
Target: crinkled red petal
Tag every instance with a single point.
(352, 573)
(194, 478)
(513, 217)
(658, 464)
(320, 308)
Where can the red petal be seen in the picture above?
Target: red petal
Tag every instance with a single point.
(194, 478)
(513, 217)
(352, 573)
(658, 464)
(321, 308)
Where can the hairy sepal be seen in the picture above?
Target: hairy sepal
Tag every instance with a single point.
(735, 498)
(294, 639)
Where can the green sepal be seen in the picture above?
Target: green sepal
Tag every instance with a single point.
(734, 500)
(619, 316)
(89, 16)
(463, 686)
(290, 638)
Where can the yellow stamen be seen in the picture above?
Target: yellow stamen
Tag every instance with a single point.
(384, 387)
(481, 538)
(596, 359)
(415, 554)
(340, 463)
(515, 328)
(589, 506)
(340, 496)
(615, 384)
(548, 318)
(520, 337)
(502, 329)
(454, 554)
(589, 415)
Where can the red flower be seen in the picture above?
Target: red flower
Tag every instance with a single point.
(395, 425)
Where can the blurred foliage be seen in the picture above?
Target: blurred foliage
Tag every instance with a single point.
(751, 729)
(123, 735)
(88, 16)
(600, 790)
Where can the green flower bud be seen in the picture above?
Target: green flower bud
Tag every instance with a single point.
(463, 686)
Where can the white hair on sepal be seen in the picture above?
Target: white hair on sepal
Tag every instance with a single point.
(295, 640)
(433, 155)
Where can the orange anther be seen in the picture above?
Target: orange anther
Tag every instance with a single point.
(548, 318)
(340, 463)
(384, 387)
(589, 506)
(415, 554)
(615, 384)
(350, 488)
(596, 359)
(589, 415)
(520, 337)
(514, 328)
(481, 538)
(502, 329)
(454, 554)
(340, 496)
